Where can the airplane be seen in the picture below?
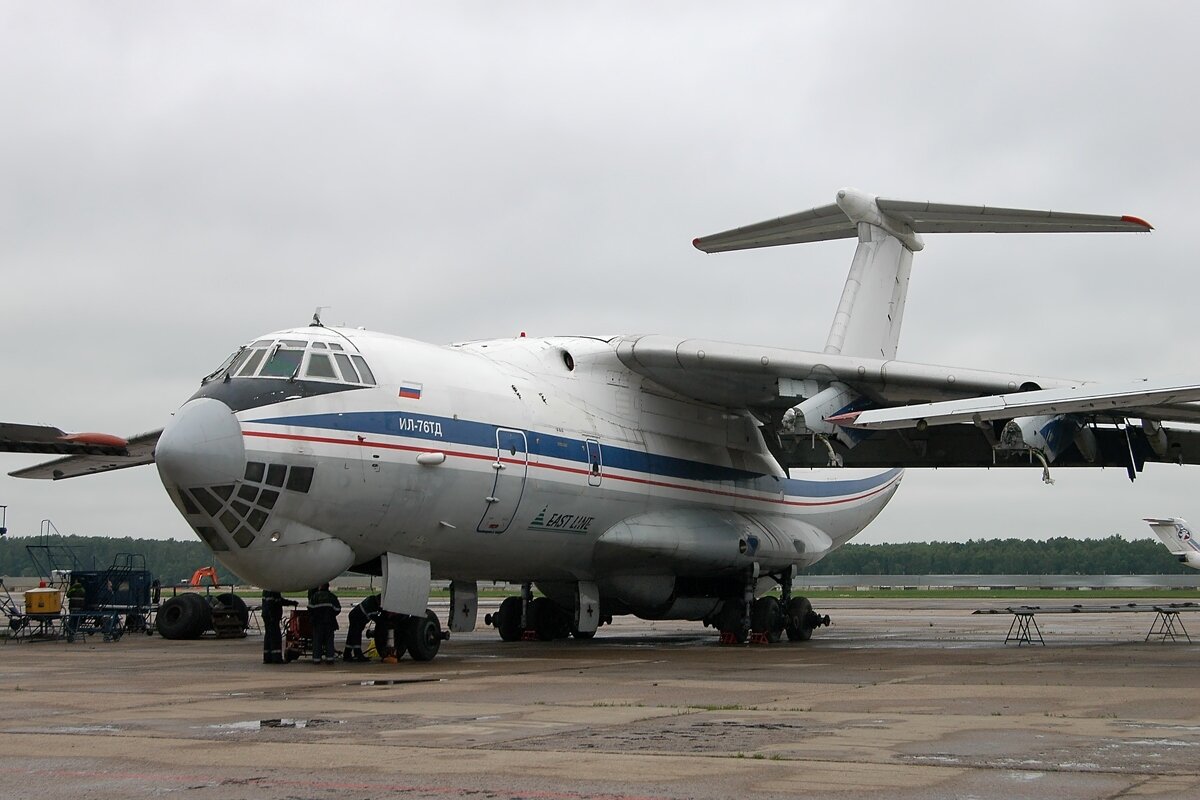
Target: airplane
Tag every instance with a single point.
(635, 474)
(1177, 536)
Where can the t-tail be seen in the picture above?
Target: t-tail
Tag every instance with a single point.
(1178, 538)
(869, 315)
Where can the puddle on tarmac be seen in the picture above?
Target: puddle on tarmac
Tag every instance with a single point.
(395, 681)
(260, 724)
(75, 729)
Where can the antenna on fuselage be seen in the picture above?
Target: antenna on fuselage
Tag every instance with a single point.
(316, 323)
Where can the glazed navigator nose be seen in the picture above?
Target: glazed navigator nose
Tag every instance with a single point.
(201, 445)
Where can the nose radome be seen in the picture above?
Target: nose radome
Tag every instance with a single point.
(202, 445)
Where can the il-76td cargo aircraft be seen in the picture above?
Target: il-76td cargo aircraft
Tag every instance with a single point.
(640, 474)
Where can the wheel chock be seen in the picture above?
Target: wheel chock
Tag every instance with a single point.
(727, 637)
(759, 638)
(529, 636)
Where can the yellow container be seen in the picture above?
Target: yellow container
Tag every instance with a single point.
(43, 601)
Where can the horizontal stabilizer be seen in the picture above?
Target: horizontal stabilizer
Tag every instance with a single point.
(905, 218)
(1089, 398)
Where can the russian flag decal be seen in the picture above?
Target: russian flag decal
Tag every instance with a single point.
(410, 391)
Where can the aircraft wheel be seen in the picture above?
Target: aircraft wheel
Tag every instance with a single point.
(237, 605)
(508, 619)
(766, 616)
(422, 637)
(798, 611)
(729, 621)
(548, 620)
(184, 617)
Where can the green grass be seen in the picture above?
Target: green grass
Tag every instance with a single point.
(1061, 595)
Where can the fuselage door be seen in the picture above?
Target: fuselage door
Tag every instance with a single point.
(595, 463)
(511, 467)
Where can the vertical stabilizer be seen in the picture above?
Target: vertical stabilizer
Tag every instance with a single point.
(869, 315)
(1178, 538)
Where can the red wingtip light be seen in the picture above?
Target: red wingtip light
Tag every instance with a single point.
(102, 439)
(1137, 221)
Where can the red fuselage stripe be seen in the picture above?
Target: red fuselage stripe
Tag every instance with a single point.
(573, 470)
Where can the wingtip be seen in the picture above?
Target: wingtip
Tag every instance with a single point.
(1137, 221)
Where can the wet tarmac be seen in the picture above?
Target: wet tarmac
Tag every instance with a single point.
(899, 699)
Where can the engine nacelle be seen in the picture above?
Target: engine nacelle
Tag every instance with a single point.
(837, 398)
(1049, 434)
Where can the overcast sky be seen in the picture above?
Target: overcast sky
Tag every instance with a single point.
(176, 179)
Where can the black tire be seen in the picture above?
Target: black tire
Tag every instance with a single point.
(549, 620)
(237, 605)
(729, 620)
(422, 637)
(186, 616)
(797, 613)
(203, 613)
(766, 616)
(508, 619)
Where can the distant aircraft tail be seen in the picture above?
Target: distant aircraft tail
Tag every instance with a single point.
(1178, 538)
(868, 318)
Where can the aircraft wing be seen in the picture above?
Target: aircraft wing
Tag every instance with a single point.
(896, 395)
(1088, 399)
(88, 453)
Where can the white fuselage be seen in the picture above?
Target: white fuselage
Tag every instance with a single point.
(500, 460)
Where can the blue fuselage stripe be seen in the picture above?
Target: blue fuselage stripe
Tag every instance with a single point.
(481, 434)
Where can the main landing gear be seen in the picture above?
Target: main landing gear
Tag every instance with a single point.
(528, 617)
(766, 619)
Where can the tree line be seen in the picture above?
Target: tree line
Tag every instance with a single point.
(1061, 555)
(169, 560)
(172, 560)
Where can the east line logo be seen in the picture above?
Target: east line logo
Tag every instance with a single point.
(549, 521)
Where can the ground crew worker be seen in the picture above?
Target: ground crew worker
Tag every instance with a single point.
(76, 600)
(367, 610)
(272, 615)
(323, 610)
(387, 630)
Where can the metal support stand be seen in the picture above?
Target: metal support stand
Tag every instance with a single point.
(1167, 625)
(1023, 629)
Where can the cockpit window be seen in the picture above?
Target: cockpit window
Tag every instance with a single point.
(283, 363)
(363, 370)
(319, 366)
(348, 373)
(251, 365)
(238, 360)
(285, 358)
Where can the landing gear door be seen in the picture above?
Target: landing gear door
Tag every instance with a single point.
(595, 463)
(511, 467)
